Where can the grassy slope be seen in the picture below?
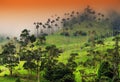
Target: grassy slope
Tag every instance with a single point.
(70, 45)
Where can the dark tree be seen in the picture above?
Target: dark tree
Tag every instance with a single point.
(24, 37)
(8, 57)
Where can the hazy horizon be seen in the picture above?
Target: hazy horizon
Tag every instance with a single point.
(15, 15)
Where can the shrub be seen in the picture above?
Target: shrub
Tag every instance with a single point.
(0, 71)
(18, 80)
(83, 34)
(65, 34)
(100, 42)
(59, 73)
(15, 75)
(77, 33)
(5, 75)
(67, 78)
(86, 44)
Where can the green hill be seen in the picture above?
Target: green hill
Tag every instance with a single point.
(74, 44)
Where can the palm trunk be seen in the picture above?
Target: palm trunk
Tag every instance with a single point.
(37, 33)
(49, 30)
(52, 29)
(38, 75)
(10, 71)
(28, 75)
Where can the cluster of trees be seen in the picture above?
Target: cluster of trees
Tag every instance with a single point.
(69, 19)
(108, 61)
(89, 14)
(37, 58)
(16, 51)
(67, 22)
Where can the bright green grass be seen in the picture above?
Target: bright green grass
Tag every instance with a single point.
(7, 79)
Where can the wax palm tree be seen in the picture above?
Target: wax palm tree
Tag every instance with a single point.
(57, 19)
(41, 25)
(56, 25)
(71, 15)
(52, 28)
(73, 12)
(102, 15)
(77, 13)
(49, 20)
(65, 14)
(99, 14)
(37, 27)
(99, 19)
(64, 23)
(68, 19)
(93, 12)
(49, 28)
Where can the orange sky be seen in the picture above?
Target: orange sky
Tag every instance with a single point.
(55, 5)
(43, 5)
(22, 13)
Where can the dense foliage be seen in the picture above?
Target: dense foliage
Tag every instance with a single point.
(89, 60)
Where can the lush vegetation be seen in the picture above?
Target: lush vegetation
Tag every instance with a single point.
(81, 47)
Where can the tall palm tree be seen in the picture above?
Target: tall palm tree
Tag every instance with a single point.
(93, 12)
(52, 28)
(77, 13)
(73, 12)
(44, 28)
(71, 15)
(65, 14)
(68, 19)
(102, 15)
(49, 28)
(37, 27)
(41, 26)
(64, 23)
(56, 25)
(49, 20)
(99, 14)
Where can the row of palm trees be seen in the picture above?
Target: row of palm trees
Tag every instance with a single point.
(48, 27)
(68, 20)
